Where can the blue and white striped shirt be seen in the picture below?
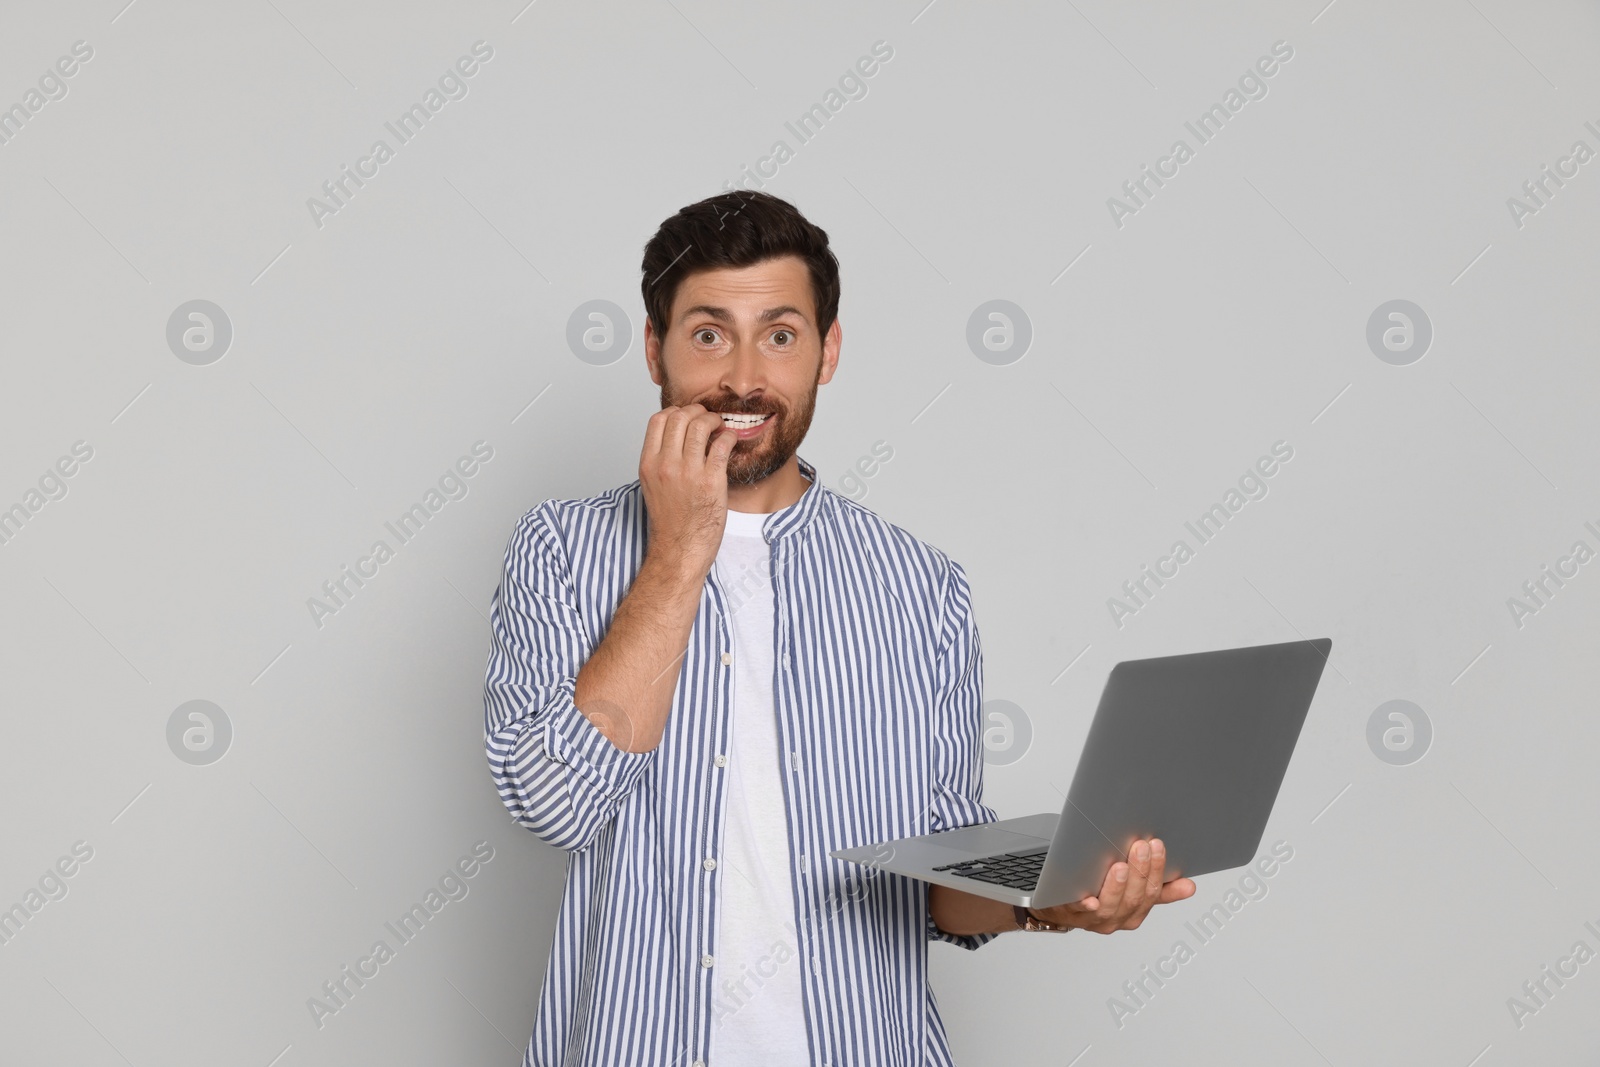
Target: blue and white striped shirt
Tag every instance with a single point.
(879, 690)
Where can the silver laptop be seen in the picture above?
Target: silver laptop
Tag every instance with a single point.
(1190, 749)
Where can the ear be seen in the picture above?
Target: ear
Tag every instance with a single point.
(652, 350)
(830, 352)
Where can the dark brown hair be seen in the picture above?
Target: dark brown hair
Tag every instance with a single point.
(735, 229)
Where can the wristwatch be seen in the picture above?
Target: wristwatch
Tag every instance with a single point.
(1026, 920)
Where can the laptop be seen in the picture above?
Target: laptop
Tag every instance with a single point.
(1190, 749)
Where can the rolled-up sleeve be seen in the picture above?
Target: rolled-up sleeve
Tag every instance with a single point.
(556, 774)
(958, 729)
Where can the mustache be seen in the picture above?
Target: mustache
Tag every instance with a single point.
(739, 407)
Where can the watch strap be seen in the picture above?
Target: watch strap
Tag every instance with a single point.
(1026, 920)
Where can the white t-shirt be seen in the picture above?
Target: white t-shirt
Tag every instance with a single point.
(758, 1016)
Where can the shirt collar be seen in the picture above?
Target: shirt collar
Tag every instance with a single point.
(794, 518)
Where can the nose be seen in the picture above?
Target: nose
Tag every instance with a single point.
(746, 373)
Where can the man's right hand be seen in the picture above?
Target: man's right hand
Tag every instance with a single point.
(683, 473)
(625, 688)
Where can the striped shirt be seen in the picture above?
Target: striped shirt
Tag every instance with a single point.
(878, 681)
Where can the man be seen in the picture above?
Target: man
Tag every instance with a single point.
(702, 682)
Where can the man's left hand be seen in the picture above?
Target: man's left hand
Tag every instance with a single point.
(1131, 889)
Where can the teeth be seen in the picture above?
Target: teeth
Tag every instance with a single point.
(742, 422)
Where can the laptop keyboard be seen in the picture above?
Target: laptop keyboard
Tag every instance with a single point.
(1015, 870)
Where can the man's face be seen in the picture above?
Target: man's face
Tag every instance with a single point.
(745, 342)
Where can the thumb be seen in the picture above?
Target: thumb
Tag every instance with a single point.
(722, 443)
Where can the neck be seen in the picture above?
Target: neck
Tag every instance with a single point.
(775, 492)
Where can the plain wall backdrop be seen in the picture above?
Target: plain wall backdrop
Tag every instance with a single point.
(184, 480)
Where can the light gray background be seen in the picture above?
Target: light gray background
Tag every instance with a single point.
(368, 354)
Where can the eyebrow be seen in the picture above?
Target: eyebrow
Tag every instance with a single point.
(722, 314)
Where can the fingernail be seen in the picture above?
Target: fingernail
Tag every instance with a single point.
(1157, 848)
(1122, 874)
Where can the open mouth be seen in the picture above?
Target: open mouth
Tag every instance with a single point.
(744, 422)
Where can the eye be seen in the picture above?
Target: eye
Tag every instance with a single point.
(782, 337)
(706, 337)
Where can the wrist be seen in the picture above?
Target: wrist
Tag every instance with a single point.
(1028, 919)
(675, 570)
(668, 589)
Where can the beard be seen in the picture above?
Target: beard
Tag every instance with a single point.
(755, 460)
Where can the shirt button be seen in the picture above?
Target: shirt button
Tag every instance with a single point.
(709, 864)
(721, 760)
(727, 658)
(707, 960)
